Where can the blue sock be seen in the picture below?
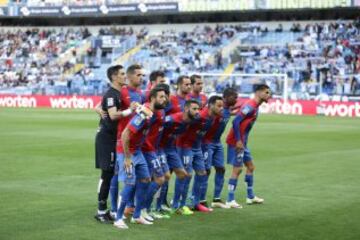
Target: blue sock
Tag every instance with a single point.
(162, 197)
(179, 188)
(131, 202)
(165, 193)
(140, 195)
(219, 184)
(126, 193)
(249, 179)
(185, 191)
(232, 188)
(204, 187)
(153, 188)
(196, 189)
(114, 193)
(191, 197)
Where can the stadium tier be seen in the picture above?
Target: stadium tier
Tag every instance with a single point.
(317, 58)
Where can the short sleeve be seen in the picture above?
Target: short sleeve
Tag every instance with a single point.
(136, 123)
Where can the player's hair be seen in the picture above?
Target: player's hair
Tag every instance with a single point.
(229, 92)
(213, 99)
(155, 90)
(191, 101)
(155, 74)
(193, 78)
(165, 87)
(180, 79)
(113, 70)
(131, 69)
(260, 87)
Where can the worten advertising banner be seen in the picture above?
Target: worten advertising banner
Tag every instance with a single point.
(275, 106)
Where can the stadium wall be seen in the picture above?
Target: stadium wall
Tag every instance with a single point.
(275, 106)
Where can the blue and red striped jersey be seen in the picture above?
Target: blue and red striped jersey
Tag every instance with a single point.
(243, 122)
(201, 98)
(196, 131)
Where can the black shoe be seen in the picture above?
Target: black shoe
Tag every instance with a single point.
(104, 218)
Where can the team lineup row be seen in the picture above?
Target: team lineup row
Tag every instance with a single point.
(143, 137)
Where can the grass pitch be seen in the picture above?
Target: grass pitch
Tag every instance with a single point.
(308, 171)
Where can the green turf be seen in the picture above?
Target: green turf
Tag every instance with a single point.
(308, 171)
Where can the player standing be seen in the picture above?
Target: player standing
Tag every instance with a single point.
(176, 104)
(131, 97)
(238, 152)
(214, 151)
(105, 142)
(158, 167)
(134, 171)
(176, 124)
(190, 152)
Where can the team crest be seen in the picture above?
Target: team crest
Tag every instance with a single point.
(137, 121)
(246, 110)
(167, 119)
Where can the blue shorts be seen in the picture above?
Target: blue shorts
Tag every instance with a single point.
(139, 169)
(213, 155)
(192, 159)
(156, 167)
(238, 159)
(173, 159)
(198, 159)
(163, 161)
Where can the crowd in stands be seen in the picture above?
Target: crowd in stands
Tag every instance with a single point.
(196, 50)
(324, 57)
(31, 57)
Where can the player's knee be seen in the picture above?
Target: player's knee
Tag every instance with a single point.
(106, 176)
(250, 169)
(201, 172)
(145, 180)
(220, 170)
(236, 171)
(180, 173)
(160, 180)
(167, 176)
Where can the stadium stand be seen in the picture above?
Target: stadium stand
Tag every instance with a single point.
(322, 55)
(317, 57)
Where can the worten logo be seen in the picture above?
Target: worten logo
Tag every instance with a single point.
(282, 108)
(73, 102)
(339, 109)
(18, 101)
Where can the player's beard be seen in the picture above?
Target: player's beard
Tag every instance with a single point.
(192, 117)
(159, 106)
